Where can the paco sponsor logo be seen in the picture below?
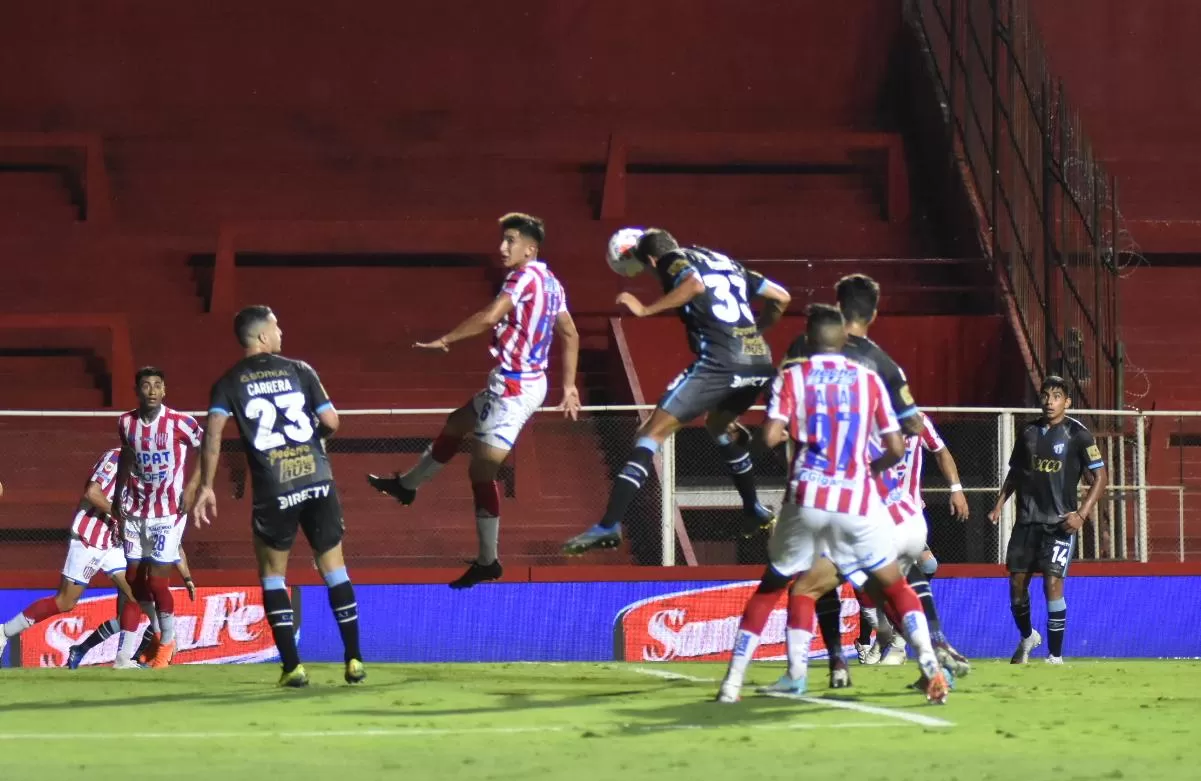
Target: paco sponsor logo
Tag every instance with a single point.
(223, 625)
(700, 625)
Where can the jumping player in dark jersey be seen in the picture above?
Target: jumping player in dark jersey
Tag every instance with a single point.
(733, 367)
(284, 417)
(1050, 456)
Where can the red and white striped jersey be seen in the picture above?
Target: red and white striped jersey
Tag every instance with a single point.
(833, 407)
(160, 452)
(522, 339)
(91, 525)
(901, 485)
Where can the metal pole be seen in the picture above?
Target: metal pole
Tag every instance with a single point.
(1180, 517)
(1119, 350)
(1048, 228)
(1140, 474)
(952, 57)
(667, 502)
(996, 124)
(1112, 497)
(1005, 525)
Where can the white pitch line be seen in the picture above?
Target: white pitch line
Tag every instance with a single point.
(667, 674)
(874, 710)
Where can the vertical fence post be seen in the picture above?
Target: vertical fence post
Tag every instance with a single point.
(1005, 524)
(1180, 518)
(667, 502)
(1140, 475)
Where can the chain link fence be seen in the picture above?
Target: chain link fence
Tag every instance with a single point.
(558, 479)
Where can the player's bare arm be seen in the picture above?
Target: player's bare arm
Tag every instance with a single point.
(185, 572)
(681, 294)
(774, 433)
(189, 492)
(569, 338)
(210, 453)
(1007, 488)
(94, 496)
(777, 299)
(124, 467)
(894, 451)
(481, 322)
(946, 465)
(1075, 520)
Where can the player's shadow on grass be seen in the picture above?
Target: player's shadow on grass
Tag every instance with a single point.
(510, 702)
(750, 711)
(273, 694)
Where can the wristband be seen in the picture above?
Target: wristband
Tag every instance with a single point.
(187, 580)
(956, 487)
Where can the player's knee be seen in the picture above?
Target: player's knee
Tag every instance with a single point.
(482, 469)
(772, 581)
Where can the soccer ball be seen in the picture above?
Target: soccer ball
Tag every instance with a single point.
(621, 252)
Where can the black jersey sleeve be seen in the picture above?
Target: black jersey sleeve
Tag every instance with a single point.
(679, 268)
(898, 388)
(756, 283)
(314, 391)
(1087, 451)
(1019, 458)
(221, 402)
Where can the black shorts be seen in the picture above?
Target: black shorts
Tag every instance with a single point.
(702, 388)
(318, 513)
(1034, 547)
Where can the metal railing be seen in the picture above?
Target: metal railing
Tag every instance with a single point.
(1047, 209)
(686, 514)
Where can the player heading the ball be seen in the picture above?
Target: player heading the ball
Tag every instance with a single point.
(733, 366)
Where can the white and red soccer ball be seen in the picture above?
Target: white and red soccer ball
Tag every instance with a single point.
(621, 252)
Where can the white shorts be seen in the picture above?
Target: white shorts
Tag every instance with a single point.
(909, 537)
(84, 561)
(856, 544)
(157, 539)
(503, 408)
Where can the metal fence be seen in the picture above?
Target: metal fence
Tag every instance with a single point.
(1048, 208)
(557, 482)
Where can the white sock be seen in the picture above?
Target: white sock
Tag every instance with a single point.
(798, 652)
(152, 614)
(128, 644)
(745, 645)
(16, 625)
(425, 468)
(487, 528)
(917, 632)
(167, 622)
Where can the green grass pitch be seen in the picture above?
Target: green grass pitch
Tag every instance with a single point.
(1085, 720)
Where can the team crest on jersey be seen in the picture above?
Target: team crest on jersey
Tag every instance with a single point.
(1058, 449)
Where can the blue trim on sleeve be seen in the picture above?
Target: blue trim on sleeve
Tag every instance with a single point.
(762, 286)
(324, 407)
(908, 413)
(680, 277)
(219, 411)
(1097, 465)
